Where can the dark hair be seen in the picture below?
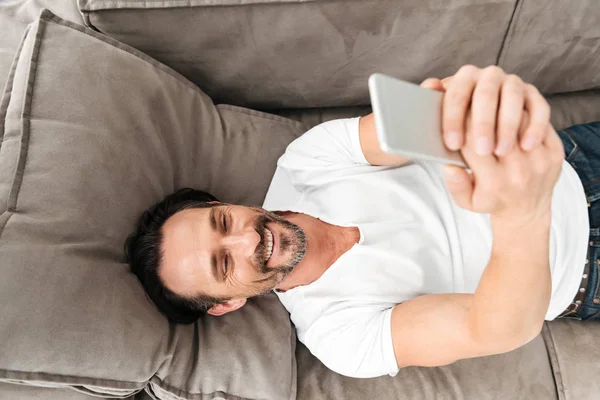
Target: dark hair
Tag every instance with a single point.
(143, 251)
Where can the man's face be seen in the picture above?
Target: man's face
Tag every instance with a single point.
(228, 251)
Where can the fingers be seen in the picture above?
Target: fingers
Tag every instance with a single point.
(539, 114)
(456, 104)
(484, 109)
(480, 165)
(510, 114)
(496, 101)
(433, 84)
(460, 186)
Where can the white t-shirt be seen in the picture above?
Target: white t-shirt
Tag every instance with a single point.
(414, 240)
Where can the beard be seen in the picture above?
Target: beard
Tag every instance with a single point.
(292, 239)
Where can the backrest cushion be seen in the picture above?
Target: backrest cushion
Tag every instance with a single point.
(270, 54)
(94, 132)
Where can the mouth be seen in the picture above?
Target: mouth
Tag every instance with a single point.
(269, 244)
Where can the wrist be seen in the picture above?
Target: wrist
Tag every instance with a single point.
(537, 219)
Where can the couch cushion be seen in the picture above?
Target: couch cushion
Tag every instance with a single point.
(26, 392)
(14, 18)
(575, 357)
(555, 45)
(94, 133)
(295, 54)
(567, 109)
(524, 373)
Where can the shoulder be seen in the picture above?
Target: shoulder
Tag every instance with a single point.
(332, 142)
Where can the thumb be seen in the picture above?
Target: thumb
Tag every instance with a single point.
(460, 185)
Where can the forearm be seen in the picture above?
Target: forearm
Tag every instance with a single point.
(512, 297)
(371, 147)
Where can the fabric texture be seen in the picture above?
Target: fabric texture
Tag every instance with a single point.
(15, 15)
(12, 391)
(249, 55)
(574, 354)
(524, 374)
(306, 54)
(94, 132)
(555, 45)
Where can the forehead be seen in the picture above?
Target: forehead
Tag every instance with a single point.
(186, 251)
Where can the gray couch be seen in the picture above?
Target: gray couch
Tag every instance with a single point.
(110, 105)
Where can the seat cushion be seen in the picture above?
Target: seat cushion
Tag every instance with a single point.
(26, 392)
(575, 357)
(524, 373)
(93, 133)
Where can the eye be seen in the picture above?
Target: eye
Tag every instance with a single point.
(226, 265)
(224, 223)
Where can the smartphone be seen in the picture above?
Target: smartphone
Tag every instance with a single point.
(408, 120)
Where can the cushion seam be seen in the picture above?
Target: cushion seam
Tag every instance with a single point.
(8, 87)
(260, 114)
(294, 381)
(177, 391)
(554, 362)
(5, 375)
(25, 122)
(103, 5)
(509, 31)
(4, 217)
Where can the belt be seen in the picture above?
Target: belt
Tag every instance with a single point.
(580, 296)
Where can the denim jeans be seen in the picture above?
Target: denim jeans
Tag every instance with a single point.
(582, 151)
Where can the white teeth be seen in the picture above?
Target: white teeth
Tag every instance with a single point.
(269, 244)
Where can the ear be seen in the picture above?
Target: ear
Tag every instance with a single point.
(228, 306)
(214, 202)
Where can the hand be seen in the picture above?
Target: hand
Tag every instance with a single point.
(515, 187)
(496, 102)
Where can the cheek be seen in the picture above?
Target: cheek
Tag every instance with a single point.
(245, 273)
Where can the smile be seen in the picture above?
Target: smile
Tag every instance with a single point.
(269, 246)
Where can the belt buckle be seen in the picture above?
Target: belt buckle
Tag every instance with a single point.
(568, 311)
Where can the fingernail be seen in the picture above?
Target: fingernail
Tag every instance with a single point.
(503, 147)
(483, 146)
(453, 140)
(529, 143)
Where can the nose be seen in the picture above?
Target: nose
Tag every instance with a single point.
(243, 242)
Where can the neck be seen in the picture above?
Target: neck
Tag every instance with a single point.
(324, 244)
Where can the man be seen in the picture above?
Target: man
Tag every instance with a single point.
(384, 262)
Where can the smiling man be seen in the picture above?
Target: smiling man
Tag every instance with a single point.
(385, 262)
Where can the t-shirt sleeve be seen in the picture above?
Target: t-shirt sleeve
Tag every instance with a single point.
(354, 342)
(332, 143)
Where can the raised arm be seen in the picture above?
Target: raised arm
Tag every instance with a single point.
(508, 307)
(506, 312)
